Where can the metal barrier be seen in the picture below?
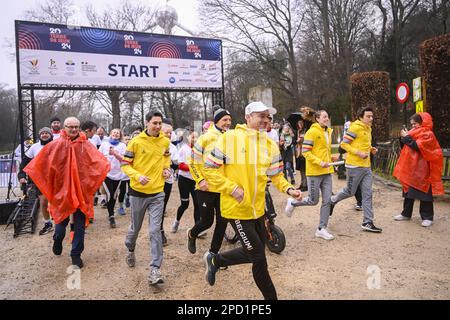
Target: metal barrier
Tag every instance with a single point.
(386, 158)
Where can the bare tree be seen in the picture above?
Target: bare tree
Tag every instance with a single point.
(130, 16)
(260, 29)
(54, 11)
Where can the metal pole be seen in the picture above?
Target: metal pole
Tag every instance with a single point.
(19, 93)
(142, 109)
(404, 114)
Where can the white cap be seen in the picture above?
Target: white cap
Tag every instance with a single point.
(258, 106)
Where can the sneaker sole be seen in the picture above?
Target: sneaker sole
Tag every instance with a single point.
(47, 231)
(322, 237)
(188, 237)
(207, 267)
(159, 281)
(371, 230)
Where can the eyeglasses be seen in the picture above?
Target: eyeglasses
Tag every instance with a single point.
(72, 127)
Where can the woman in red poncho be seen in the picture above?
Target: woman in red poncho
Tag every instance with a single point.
(419, 168)
(68, 171)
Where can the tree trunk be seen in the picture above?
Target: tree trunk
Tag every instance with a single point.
(114, 96)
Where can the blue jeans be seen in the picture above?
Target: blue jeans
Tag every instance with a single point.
(78, 238)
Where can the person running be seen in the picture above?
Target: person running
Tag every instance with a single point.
(124, 186)
(358, 144)
(186, 184)
(167, 129)
(113, 149)
(419, 168)
(45, 137)
(317, 151)
(68, 171)
(358, 196)
(208, 197)
(147, 163)
(300, 161)
(287, 151)
(247, 157)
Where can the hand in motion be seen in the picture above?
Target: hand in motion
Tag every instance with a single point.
(238, 194)
(144, 180)
(203, 185)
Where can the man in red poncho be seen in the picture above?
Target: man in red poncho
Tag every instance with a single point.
(68, 171)
(419, 168)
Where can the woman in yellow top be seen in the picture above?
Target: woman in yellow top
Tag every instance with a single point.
(317, 151)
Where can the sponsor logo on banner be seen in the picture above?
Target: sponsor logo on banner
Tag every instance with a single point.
(186, 73)
(52, 68)
(34, 67)
(193, 66)
(201, 80)
(185, 80)
(70, 68)
(173, 72)
(173, 66)
(87, 67)
(172, 80)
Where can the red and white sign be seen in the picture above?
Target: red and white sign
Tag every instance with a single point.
(402, 92)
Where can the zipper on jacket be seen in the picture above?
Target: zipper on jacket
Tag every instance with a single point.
(256, 179)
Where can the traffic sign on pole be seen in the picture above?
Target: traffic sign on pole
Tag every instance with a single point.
(402, 92)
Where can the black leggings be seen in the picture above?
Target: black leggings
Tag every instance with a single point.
(252, 236)
(124, 186)
(167, 191)
(111, 188)
(209, 205)
(186, 187)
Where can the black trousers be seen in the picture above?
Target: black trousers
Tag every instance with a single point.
(112, 188)
(426, 209)
(124, 186)
(252, 236)
(186, 187)
(209, 206)
(167, 192)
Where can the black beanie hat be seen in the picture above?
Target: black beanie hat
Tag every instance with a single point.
(219, 114)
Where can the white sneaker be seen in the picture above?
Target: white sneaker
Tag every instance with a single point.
(175, 225)
(427, 223)
(400, 217)
(289, 207)
(324, 234)
(155, 276)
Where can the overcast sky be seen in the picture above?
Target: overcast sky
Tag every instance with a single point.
(12, 10)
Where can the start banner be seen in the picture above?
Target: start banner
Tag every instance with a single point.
(51, 54)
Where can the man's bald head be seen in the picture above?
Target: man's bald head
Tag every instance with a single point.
(71, 121)
(72, 127)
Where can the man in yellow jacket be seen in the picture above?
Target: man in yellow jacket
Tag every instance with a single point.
(358, 144)
(147, 163)
(207, 196)
(247, 157)
(316, 149)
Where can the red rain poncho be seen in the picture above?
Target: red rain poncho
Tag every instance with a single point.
(69, 172)
(423, 169)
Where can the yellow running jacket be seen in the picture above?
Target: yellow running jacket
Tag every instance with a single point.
(148, 156)
(317, 148)
(357, 138)
(247, 157)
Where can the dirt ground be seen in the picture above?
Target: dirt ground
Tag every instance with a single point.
(413, 262)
